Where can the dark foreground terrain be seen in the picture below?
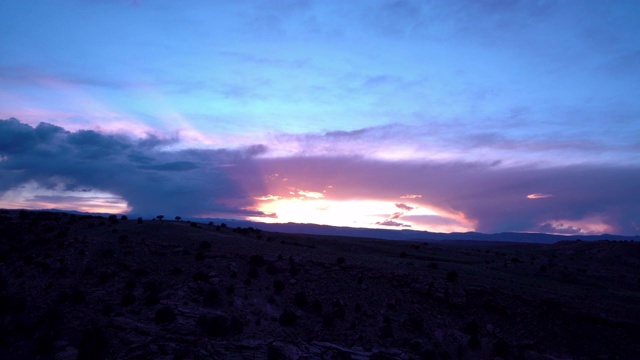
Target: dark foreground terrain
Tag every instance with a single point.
(84, 287)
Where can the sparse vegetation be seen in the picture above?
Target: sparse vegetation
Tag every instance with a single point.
(452, 276)
(165, 315)
(60, 280)
(288, 318)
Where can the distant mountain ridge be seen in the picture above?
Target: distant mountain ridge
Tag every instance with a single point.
(388, 234)
(415, 235)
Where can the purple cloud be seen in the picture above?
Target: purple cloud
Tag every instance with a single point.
(493, 198)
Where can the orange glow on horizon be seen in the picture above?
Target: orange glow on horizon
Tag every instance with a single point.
(360, 213)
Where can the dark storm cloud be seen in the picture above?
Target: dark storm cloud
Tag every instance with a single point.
(495, 197)
(185, 182)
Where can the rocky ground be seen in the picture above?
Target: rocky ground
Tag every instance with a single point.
(88, 287)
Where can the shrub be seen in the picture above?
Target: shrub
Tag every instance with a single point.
(472, 328)
(212, 298)
(107, 309)
(200, 276)
(288, 318)
(139, 220)
(130, 284)
(231, 289)
(123, 239)
(293, 270)
(386, 332)
(413, 323)
(474, 342)
(216, 326)
(357, 308)
(452, 276)
(124, 218)
(328, 320)
(77, 296)
(237, 325)
(300, 299)
(275, 353)
(257, 260)
(338, 309)
(501, 348)
(278, 286)
(165, 315)
(152, 298)
(271, 269)
(93, 344)
(316, 306)
(128, 299)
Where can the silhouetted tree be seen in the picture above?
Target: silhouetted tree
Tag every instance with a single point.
(124, 218)
(160, 217)
(178, 218)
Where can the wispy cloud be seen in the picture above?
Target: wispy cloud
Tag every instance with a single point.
(538, 196)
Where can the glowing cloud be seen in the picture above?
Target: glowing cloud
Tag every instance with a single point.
(410, 196)
(268, 198)
(311, 194)
(592, 225)
(539, 196)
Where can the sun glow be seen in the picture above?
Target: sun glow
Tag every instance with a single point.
(379, 214)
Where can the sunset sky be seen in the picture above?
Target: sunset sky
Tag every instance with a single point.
(491, 115)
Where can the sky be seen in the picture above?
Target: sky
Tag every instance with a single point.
(490, 115)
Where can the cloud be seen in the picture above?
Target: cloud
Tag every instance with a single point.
(473, 194)
(151, 180)
(268, 197)
(538, 196)
(172, 166)
(404, 207)
(393, 223)
(457, 195)
(462, 142)
(390, 221)
(410, 196)
(310, 194)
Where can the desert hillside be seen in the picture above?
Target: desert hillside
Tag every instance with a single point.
(90, 287)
